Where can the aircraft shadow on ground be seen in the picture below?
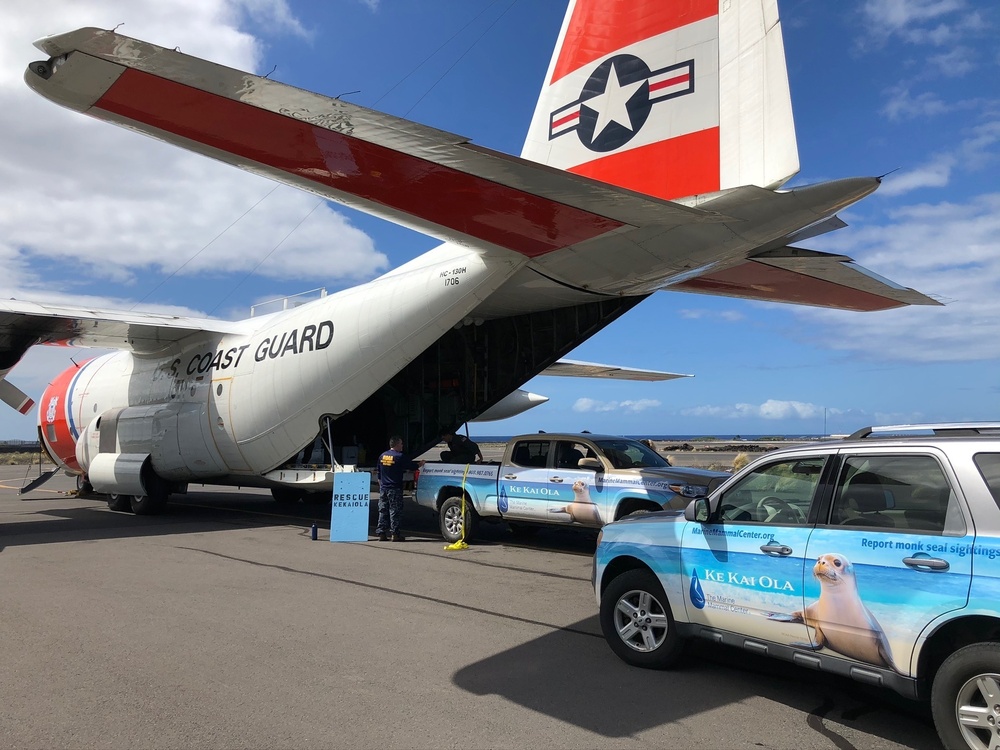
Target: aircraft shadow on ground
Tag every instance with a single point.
(94, 521)
(572, 676)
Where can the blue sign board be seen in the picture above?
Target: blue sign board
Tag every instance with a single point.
(349, 509)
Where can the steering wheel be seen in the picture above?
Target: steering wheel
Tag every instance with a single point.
(776, 508)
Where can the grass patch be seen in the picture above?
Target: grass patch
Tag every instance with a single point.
(20, 459)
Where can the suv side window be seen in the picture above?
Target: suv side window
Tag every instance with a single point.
(778, 493)
(906, 493)
(989, 467)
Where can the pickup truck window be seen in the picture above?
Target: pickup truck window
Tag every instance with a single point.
(568, 454)
(631, 454)
(530, 453)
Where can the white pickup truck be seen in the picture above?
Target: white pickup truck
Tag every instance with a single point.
(567, 479)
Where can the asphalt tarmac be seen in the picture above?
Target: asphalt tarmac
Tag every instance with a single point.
(220, 624)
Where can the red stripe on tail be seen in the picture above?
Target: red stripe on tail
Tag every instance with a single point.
(600, 28)
(686, 165)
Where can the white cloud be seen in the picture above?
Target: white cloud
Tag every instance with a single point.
(955, 63)
(902, 105)
(949, 250)
(632, 407)
(976, 151)
(731, 316)
(918, 21)
(771, 409)
(897, 14)
(935, 173)
(78, 193)
(277, 14)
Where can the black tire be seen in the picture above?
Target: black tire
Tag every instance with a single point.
(317, 499)
(155, 498)
(637, 622)
(639, 512)
(119, 503)
(451, 521)
(83, 485)
(148, 505)
(957, 692)
(286, 495)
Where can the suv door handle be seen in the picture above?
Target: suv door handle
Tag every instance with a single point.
(510, 476)
(931, 563)
(776, 549)
(555, 479)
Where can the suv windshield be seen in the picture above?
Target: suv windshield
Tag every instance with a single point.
(631, 454)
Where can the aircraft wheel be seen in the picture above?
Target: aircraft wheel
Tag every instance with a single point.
(146, 505)
(317, 498)
(83, 485)
(286, 495)
(119, 503)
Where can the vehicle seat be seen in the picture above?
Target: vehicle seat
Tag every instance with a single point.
(928, 508)
(521, 456)
(863, 502)
(569, 458)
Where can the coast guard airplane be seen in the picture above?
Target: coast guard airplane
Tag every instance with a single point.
(654, 159)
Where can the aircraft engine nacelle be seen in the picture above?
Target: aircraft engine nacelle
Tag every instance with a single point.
(126, 450)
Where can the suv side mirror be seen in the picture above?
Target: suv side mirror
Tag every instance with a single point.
(698, 510)
(590, 463)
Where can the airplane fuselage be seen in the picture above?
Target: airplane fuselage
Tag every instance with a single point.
(215, 406)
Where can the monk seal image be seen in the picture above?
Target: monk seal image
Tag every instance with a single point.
(583, 509)
(840, 620)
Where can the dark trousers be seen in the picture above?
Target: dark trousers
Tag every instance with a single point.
(390, 510)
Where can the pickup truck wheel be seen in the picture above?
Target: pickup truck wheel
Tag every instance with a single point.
(637, 622)
(450, 517)
(965, 697)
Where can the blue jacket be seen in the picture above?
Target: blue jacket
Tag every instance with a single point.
(391, 466)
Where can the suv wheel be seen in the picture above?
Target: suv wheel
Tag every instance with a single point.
(637, 621)
(965, 698)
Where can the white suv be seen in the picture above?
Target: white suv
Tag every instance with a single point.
(874, 557)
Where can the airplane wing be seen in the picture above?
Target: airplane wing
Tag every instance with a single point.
(582, 233)
(573, 369)
(24, 324)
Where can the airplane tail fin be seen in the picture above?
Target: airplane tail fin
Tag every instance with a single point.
(669, 99)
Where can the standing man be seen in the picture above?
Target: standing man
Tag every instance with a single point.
(391, 466)
(461, 450)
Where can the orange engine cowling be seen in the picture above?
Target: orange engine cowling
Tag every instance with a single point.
(57, 427)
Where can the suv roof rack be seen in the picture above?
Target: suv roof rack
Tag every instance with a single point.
(953, 429)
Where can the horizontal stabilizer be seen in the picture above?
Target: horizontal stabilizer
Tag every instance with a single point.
(806, 277)
(573, 369)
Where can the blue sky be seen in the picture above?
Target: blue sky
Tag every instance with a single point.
(95, 214)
